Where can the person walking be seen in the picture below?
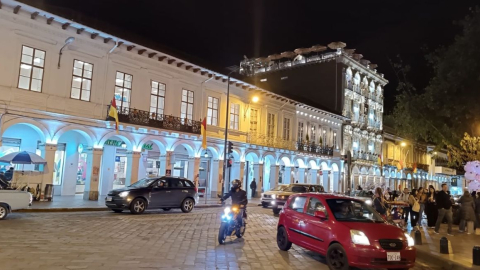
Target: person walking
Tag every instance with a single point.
(253, 186)
(422, 199)
(467, 210)
(414, 208)
(431, 207)
(444, 205)
(404, 198)
(379, 202)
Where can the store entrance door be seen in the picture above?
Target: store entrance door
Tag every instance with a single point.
(120, 172)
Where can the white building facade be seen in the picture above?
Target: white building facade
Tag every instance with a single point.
(57, 79)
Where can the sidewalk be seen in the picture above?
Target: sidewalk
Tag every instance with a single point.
(76, 203)
(461, 248)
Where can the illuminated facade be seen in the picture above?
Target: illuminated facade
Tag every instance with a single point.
(55, 92)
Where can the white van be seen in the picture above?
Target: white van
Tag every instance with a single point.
(13, 200)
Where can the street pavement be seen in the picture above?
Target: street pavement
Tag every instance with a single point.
(155, 240)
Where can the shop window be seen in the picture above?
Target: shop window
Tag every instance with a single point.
(123, 89)
(157, 98)
(32, 64)
(212, 111)
(58, 164)
(234, 116)
(82, 80)
(187, 106)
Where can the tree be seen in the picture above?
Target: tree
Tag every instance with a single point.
(449, 106)
(469, 150)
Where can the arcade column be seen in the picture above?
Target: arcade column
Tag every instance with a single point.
(325, 182)
(274, 174)
(170, 161)
(135, 157)
(301, 175)
(313, 176)
(93, 173)
(336, 180)
(48, 168)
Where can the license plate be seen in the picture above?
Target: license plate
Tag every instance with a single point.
(393, 256)
(109, 199)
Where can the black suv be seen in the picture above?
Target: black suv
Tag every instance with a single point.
(165, 193)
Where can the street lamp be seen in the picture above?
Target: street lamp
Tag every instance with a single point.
(253, 100)
(403, 144)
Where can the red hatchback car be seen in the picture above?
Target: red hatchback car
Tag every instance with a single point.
(346, 230)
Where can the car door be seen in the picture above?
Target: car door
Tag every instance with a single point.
(317, 230)
(176, 192)
(295, 220)
(158, 193)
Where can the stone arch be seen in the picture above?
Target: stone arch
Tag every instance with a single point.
(158, 141)
(356, 79)
(38, 127)
(377, 172)
(300, 163)
(364, 171)
(371, 171)
(126, 137)
(188, 146)
(270, 157)
(252, 156)
(285, 160)
(355, 170)
(335, 167)
(372, 87)
(214, 150)
(312, 164)
(84, 132)
(324, 166)
(409, 176)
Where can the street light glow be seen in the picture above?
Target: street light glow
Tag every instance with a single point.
(255, 99)
(403, 144)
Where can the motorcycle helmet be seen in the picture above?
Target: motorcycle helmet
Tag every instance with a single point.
(236, 184)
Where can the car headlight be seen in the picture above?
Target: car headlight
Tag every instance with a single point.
(123, 194)
(369, 202)
(274, 196)
(227, 210)
(410, 240)
(359, 238)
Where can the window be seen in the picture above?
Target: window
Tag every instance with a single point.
(312, 133)
(212, 111)
(298, 204)
(176, 183)
(335, 140)
(253, 120)
(187, 105)
(300, 131)
(157, 98)
(324, 139)
(31, 69)
(123, 89)
(82, 80)
(315, 205)
(286, 129)
(234, 116)
(271, 125)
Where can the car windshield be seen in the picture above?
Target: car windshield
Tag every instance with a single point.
(279, 188)
(364, 193)
(143, 183)
(353, 211)
(297, 189)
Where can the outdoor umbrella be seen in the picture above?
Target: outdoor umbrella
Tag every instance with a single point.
(23, 157)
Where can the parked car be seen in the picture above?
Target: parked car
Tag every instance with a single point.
(154, 193)
(269, 196)
(12, 200)
(347, 231)
(282, 196)
(365, 196)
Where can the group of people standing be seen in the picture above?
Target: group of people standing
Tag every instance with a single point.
(436, 205)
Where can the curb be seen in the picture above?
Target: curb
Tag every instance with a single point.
(87, 209)
(429, 257)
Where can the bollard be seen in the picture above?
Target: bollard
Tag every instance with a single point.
(444, 246)
(418, 238)
(476, 255)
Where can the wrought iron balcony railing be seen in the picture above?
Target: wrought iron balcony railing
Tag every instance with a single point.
(144, 118)
(350, 85)
(366, 156)
(269, 141)
(314, 148)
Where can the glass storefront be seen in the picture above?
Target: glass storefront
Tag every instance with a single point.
(81, 173)
(59, 164)
(120, 173)
(180, 168)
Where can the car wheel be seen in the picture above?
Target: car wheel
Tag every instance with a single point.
(117, 210)
(337, 258)
(264, 205)
(222, 233)
(276, 211)
(3, 212)
(138, 206)
(282, 239)
(167, 209)
(187, 205)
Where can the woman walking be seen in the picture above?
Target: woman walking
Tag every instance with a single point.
(415, 208)
(379, 202)
(431, 207)
(422, 199)
(467, 211)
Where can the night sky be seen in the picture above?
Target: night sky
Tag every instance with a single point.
(216, 34)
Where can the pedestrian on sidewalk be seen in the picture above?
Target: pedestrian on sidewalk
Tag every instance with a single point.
(444, 205)
(414, 208)
(431, 207)
(467, 211)
(253, 186)
(422, 199)
(404, 198)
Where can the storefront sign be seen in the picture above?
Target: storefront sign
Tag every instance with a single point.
(114, 143)
(147, 146)
(117, 159)
(80, 148)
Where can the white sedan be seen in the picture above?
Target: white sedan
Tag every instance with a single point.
(12, 200)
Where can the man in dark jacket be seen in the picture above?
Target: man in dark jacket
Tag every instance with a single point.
(444, 205)
(239, 196)
(253, 187)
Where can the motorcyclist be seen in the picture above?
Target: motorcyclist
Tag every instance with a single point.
(239, 196)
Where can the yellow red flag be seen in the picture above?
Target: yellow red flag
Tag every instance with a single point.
(204, 133)
(113, 112)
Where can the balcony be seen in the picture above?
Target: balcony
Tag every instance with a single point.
(144, 118)
(350, 85)
(356, 88)
(348, 114)
(264, 140)
(364, 156)
(314, 148)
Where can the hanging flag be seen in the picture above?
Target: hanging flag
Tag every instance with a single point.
(113, 112)
(400, 165)
(415, 167)
(379, 160)
(204, 133)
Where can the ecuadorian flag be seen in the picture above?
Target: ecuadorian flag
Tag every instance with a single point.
(204, 133)
(113, 112)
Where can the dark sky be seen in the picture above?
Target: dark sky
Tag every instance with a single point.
(217, 33)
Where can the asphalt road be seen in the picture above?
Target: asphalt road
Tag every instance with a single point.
(155, 240)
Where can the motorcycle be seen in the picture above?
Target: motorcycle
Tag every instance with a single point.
(233, 222)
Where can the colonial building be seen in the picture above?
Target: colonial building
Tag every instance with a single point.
(58, 77)
(340, 82)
